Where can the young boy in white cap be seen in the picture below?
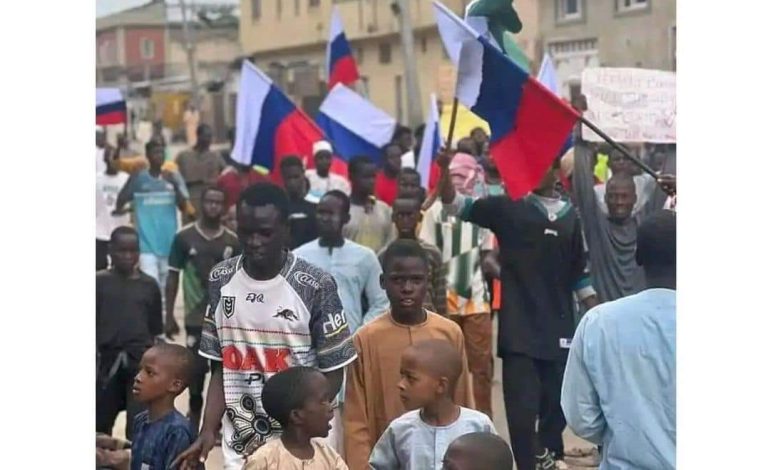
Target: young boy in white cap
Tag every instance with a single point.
(321, 180)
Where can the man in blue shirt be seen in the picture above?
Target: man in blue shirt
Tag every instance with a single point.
(619, 387)
(155, 194)
(354, 267)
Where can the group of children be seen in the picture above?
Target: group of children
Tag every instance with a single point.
(411, 421)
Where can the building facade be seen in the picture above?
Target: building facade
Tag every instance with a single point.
(606, 33)
(287, 40)
(143, 51)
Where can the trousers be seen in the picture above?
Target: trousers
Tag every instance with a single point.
(477, 332)
(532, 395)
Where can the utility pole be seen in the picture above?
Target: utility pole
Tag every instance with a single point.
(189, 43)
(413, 101)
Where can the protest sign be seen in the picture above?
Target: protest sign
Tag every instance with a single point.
(630, 105)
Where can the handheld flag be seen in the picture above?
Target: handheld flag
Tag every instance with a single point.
(110, 107)
(340, 65)
(354, 125)
(529, 123)
(431, 143)
(268, 125)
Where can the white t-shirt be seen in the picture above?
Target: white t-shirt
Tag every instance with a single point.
(259, 328)
(109, 186)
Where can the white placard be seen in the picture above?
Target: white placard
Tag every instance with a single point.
(630, 105)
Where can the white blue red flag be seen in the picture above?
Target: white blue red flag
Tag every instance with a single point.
(529, 123)
(354, 125)
(110, 107)
(268, 125)
(431, 143)
(340, 64)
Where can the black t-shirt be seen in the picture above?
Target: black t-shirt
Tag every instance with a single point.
(128, 313)
(543, 262)
(195, 255)
(302, 223)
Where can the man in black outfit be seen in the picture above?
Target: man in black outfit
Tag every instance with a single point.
(128, 318)
(543, 263)
(196, 249)
(302, 228)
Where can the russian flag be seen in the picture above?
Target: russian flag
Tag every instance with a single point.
(341, 67)
(268, 125)
(354, 125)
(110, 107)
(431, 143)
(529, 123)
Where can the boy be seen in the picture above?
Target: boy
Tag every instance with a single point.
(320, 178)
(161, 432)
(302, 228)
(478, 451)
(155, 194)
(299, 399)
(371, 401)
(370, 223)
(128, 317)
(465, 247)
(196, 249)
(406, 217)
(418, 439)
(386, 182)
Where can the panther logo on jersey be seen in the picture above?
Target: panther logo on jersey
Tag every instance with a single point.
(286, 314)
(228, 306)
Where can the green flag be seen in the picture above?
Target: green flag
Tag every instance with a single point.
(498, 19)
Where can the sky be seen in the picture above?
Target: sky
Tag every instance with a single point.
(107, 7)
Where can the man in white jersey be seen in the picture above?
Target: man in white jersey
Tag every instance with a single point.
(268, 311)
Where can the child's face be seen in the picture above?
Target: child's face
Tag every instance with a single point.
(156, 377)
(417, 387)
(316, 413)
(406, 282)
(457, 457)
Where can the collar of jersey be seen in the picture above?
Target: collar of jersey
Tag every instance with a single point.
(536, 202)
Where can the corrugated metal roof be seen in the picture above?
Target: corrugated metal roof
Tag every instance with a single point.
(159, 12)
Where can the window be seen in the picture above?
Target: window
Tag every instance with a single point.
(256, 9)
(278, 8)
(359, 55)
(567, 10)
(147, 48)
(296, 7)
(631, 5)
(314, 3)
(424, 44)
(385, 53)
(365, 85)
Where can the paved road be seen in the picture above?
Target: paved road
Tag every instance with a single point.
(214, 461)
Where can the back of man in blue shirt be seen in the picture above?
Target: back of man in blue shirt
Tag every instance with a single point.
(619, 387)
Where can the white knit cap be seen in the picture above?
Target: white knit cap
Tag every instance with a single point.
(322, 145)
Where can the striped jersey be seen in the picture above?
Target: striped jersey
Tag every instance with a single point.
(460, 244)
(259, 328)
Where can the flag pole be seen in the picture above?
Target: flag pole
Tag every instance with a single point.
(452, 120)
(618, 147)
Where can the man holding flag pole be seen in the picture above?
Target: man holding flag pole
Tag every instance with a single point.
(543, 261)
